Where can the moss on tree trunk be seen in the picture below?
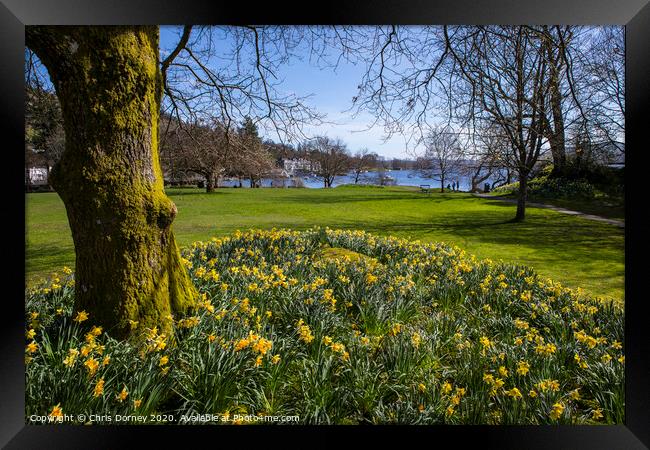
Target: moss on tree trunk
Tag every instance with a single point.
(128, 266)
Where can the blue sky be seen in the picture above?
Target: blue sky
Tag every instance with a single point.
(332, 93)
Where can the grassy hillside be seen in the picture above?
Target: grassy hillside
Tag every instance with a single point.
(573, 251)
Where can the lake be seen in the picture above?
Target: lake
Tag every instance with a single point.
(399, 178)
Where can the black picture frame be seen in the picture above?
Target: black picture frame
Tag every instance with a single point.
(634, 14)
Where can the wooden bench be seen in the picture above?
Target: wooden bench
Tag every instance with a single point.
(426, 188)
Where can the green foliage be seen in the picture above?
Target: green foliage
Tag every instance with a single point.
(605, 178)
(248, 129)
(42, 116)
(546, 187)
(560, 187)
(412, 333)
(511, 188)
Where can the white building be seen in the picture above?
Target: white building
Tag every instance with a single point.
(300, 164)
(36, 176)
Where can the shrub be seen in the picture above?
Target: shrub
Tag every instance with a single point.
(409, 333)
(560, 187)
(507, 188)
(545, 187)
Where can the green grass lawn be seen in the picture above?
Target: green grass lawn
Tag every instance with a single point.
(604, 204)
(601, 205)
(574, 251)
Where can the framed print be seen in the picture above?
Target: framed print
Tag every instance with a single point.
(415, 217)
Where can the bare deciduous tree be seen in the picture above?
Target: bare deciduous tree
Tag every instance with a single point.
(329, 158)
(600, 72)
(205, 149)
(252, 159)
(44, 135)
(361, 161)
(475, 74)
(230, 72)
(109, 82)
(508, 72)
(442, 156)
(487, 154)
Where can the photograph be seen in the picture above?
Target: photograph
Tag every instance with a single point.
(324, 224)
(371, 219)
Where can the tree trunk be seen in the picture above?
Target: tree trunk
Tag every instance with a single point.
(557, 139)
(521, 200)
(209, 183)
(477, 179)
(442, 184)
(128, 266)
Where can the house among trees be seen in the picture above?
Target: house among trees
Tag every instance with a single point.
(297, 165)
(36, 178)
(37, 170)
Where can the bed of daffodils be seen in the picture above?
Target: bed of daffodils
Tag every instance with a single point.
(339, 327)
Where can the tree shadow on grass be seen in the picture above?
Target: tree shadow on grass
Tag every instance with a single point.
(578, 254)
(555, 235)
(355, 197)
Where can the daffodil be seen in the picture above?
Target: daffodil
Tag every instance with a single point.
(57, 411)
(32, 347)
(416, 339)
(99, 388)
(92, 365)
(575, 394)
(514, 393)
(523, 367)
(597, 414)
(122, 395)
(556, 411)
(304, 332)
(81, 316)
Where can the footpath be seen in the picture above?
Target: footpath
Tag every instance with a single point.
(618, 223)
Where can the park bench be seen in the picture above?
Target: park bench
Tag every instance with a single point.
(426, 188)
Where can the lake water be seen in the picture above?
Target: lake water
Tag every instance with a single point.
(399, 178)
